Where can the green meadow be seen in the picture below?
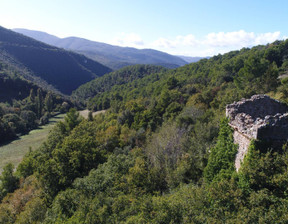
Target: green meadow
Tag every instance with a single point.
(14, 151)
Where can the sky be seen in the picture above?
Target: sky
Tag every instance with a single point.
(180, 27)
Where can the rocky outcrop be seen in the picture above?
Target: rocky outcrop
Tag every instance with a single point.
(259, 117)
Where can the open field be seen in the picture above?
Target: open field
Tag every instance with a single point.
(15, 150)
(84, 113)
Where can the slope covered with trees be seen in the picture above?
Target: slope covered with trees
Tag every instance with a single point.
(119, 77)
(24, 104)
(62, 69)
(162, 153)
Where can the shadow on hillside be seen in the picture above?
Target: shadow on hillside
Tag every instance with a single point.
(8, 141)
(52, 121)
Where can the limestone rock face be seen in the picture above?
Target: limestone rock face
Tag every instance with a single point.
(259, 117)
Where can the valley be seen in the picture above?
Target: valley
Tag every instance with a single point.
(47, 65)
(156, 147)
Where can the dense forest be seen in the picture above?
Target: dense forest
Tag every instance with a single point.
(161, 153)
(24, 105)
(119, 77)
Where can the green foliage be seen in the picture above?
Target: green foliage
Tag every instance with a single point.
(15, 122)
(39, 103)
(154, 155)
(28, 165)
(222, 156)
(72, 119)
(166, 149)
(32, 96)
(107, 177)
(29, 117)
(264, 169)
(8, 181)
(90, 116)
(6, 131)
(24, 110)
(64, 206)
(119, 77)
(49, 102)
(34, 212)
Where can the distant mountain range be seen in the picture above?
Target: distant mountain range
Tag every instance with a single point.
(45, 64)
(54, 68)
(114, 57)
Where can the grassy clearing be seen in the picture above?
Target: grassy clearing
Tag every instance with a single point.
(84, 113)
(15, 150)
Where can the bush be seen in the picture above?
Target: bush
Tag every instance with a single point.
(222, 156)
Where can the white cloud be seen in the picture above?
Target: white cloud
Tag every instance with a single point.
(267, 38)
(214, 43)
(239, 39)
(221, 39)
(163, 43)
(128, 40)
(208, 45)
(188, 40)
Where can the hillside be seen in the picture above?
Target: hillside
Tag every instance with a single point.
(112, 56)
(64, 70)
(119, 77)
(162, 152)
(24, 105)
(13, 86)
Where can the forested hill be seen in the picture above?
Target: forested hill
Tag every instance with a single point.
(13, 86)
(212, 82)
(114, 57)
(62, 69)
(24, 105)
(162, 152)
(119, 77)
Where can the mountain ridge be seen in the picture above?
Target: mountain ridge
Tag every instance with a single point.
(112, 56)
(64, 70)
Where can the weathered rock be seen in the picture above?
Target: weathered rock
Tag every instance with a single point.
(257, 118)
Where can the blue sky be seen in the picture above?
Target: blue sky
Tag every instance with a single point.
(183, 27)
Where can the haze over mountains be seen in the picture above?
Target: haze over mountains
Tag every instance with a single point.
(46, 64)
(191, 59)
(54, 68)
(111, 56)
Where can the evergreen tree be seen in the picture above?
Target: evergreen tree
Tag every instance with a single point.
(90, 116)
(39, 103)
(49, 102)
(32, 96)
